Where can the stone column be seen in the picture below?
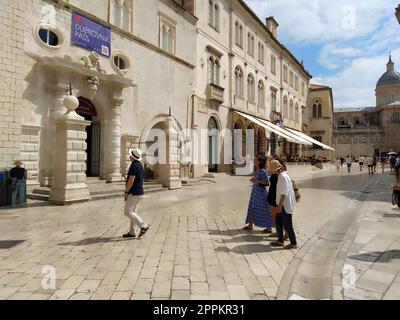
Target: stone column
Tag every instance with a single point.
(169, 172)
(56, 110)
(114, 140)
(69, 177)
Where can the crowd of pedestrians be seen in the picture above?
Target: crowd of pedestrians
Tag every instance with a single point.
(369, 163)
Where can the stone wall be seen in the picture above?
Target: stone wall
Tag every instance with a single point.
(12, 73)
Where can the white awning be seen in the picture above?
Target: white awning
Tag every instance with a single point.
(308, 138)
(276, 129)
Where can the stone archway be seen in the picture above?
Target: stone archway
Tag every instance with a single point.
(88, 111)
(212, 145)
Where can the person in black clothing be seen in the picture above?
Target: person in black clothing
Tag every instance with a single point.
(133, 194)
(18, 182)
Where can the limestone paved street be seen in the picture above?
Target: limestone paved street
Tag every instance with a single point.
(195, 248)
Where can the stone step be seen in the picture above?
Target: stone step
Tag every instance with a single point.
(118, 194)
(44, 195)
(121, 190)
(35, 196)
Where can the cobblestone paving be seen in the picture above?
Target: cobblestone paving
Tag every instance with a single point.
(374, 254)
(195, 248)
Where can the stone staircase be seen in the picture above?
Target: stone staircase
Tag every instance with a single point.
(99, 190)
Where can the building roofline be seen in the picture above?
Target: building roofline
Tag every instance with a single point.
(286, 50)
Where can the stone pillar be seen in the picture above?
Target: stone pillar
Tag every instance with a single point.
(114, 140)
(169, 172)
(69, 177)
(56, 111)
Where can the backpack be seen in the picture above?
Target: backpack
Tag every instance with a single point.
(296, 191)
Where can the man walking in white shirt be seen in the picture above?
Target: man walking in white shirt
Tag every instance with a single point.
(286, 200)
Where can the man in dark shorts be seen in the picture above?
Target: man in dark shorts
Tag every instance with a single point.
(134, 193)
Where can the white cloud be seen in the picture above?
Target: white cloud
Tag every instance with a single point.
(355, 85)
(321, 20)
(332, 57)
(353, 39)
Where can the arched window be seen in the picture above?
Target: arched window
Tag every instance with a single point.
(216, 17)
(249, 43)
(210, 12)
(250, 88)
(396, 117)
(291, 110)
(296, 113)
(261, 94)
(273, 98)
(285, 106)
(239, 81)
(213, 70)
(317, 109)
(121, 13)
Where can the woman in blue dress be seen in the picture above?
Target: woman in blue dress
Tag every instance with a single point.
(258, 212)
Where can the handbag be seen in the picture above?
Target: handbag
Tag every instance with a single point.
(296, 191)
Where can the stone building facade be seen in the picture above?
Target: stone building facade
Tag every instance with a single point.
(166, 66)
(371, 130)
(319, 121)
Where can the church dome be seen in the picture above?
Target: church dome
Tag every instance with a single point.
(391, 76)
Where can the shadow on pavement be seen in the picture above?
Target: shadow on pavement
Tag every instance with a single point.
(384, 256)
(248, 249)
(352, 185)
(87, 241)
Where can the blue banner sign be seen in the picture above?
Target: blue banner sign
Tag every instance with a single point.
(90, 35)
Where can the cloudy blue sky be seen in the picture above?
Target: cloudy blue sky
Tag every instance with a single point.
(344, 43)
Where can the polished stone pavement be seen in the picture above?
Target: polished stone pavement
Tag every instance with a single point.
(195, 248)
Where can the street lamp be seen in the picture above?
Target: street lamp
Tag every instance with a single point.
(398, 13)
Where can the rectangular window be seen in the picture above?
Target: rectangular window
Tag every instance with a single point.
(296, 83)
(303, 89)
(273, 64)
(285, 73)
(260, 53)
(291, 79)
(167, 34)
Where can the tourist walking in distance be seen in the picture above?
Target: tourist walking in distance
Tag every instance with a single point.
(375, 163)
(370, 164)
(349, 162)
(361, 162)
(18, 176)
(338, 164)
(286, 200)
(342, 161)
(383, 162)
(258, 211)
(134, 193)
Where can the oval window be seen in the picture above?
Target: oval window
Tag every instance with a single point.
(120, 61)
(48, 37)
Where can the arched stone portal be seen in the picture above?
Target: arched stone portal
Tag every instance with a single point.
(88, 111)
(212, 145)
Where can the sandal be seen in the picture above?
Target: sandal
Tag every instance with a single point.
(277, 244)
(248, 228)
(291, 247)
(128, 235)
(267, 230)
(143, 231)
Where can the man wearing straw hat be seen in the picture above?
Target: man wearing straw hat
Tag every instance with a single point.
(18, 180)
(134, 193)
(286, 200)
